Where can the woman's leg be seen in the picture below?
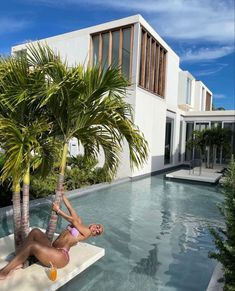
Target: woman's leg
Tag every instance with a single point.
(37, 235)
(45, 255)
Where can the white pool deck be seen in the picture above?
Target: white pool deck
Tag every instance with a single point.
(35, 277)
(206, 175)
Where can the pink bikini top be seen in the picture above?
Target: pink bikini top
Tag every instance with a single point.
(74, 232)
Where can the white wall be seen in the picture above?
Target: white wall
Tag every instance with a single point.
(182, 91)
(150, 115)
(172, 77)
(200, 100)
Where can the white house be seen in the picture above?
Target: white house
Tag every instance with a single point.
(168, 103)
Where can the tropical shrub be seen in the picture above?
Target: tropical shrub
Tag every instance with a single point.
(208, 141)
(43, 186)
(225, 238)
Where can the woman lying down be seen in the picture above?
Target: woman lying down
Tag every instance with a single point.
(56, 253)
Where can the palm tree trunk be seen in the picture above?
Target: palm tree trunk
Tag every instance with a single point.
(17, 214)
(53, 220)
(214, 156)
(25, 208)
(208, 157)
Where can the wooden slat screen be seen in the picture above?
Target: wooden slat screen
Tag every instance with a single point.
(208, 101)
(119, 62)
(152, 65)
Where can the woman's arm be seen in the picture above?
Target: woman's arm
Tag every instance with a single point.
(57, 209)
(72, 212)
(85, 231)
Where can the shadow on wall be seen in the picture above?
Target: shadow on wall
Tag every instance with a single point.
(158, 162)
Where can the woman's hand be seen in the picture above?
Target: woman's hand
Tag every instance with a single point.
(55, 207)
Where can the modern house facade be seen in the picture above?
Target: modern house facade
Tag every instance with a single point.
(168, 103)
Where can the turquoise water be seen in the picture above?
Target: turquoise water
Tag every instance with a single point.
(156, 236)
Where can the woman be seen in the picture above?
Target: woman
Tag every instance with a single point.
(57, 253)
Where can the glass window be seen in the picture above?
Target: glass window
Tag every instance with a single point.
(105, 50)
(216, 124)
(227, 154)
(201, 126)
(115, 47)
(180, 140)
(126, 50)
(189, 134)
(21, 53)
(95, 56)
(168, 141)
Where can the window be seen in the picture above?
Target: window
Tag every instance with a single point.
(21, 53)
(208, 101)
(188, 91)
(180, 141)
(114, 48)
(226, 155)
(189, 134)
(152, 65)
(168, 141)
(201, 126)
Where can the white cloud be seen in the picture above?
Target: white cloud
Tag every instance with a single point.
(210, 20)
(203, 54)
(11, 25)
(219, 96)
(189, 21)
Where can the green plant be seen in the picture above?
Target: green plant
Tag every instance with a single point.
(43, 186)
(225, 238)
(100, 175)
(82, 162)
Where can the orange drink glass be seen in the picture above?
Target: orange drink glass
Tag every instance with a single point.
(53, 273)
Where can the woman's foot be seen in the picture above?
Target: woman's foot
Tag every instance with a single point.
(4, 275)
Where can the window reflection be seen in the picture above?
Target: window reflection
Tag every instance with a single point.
(95, 56)
(105, 50)
(126, 51)
(116, 49)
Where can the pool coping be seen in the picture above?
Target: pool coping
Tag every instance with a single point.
(215, 284)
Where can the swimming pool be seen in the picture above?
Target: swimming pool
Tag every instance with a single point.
(156, 236)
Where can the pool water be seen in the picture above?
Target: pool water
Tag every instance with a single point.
(156, 235)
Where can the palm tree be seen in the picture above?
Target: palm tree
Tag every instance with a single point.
(21, 133)
(88, 104)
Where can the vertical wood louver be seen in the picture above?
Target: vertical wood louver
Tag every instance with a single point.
(152, 72)
(113, 47)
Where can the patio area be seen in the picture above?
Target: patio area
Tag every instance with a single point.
(198, 174)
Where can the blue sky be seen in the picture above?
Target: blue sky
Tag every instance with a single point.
(200, 31)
